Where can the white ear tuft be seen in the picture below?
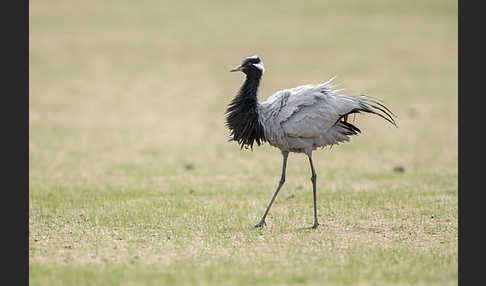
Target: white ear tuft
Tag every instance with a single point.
(260, 66)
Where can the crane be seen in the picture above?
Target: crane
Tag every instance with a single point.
(295, 120)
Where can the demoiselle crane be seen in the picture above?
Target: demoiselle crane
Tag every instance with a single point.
(297, 120)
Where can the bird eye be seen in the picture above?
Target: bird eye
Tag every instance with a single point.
(249, 64)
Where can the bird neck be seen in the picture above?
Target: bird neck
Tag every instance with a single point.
(249, 88)
(242, 116)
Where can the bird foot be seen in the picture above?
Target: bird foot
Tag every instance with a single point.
(315, 225)
(260, 224)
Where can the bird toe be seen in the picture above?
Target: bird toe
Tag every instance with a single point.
(260, 224)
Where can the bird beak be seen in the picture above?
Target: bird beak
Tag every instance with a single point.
(238, 68)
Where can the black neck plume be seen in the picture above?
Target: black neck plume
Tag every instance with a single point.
(242, 115)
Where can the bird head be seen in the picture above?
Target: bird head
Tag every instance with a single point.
(251, 66)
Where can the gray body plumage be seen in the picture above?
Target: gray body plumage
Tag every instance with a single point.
(306, 117)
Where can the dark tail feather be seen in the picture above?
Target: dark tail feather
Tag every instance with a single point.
(352, 130)
(380, 104)
(366, 105)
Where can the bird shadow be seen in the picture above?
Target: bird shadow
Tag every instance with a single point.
(299, 229)
(309, 228)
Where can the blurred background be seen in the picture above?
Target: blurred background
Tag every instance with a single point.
(158, 70)
(127, 102)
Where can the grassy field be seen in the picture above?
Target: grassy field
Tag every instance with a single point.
(133, 182)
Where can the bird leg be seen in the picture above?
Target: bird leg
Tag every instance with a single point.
(285, 154)
(313, 179)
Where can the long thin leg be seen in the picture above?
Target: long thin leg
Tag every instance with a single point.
(285, 154)
(313, 179)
